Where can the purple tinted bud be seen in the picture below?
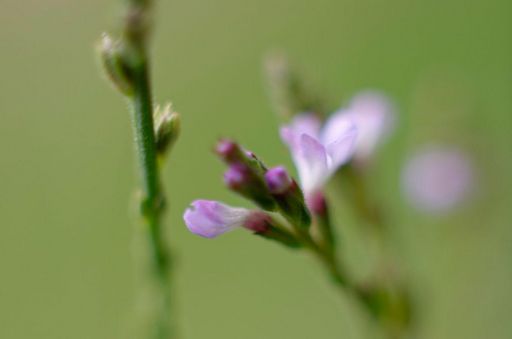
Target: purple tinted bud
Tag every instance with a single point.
(258, 222)
(226, 149)
(316, 203)
(236, 176)
(278, 181)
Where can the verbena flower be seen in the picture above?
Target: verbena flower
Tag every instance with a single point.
(209, 218)
(437, 179)
(319, 151)
(373, 114)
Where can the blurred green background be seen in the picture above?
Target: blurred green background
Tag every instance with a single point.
(67, 169)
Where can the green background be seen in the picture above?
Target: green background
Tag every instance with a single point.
(67, 169)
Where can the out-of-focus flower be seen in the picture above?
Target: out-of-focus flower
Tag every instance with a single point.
(318, 152)
(209, 218)
(373, 114)
(437, 179)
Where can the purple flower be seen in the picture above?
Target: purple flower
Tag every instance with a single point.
(318, 152)
(437, 179)
(211, 218)
(373, 115)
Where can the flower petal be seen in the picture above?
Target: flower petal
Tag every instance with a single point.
(209, 219)
(306, 123)
(373, 115)
(338, 125)
(311, 162)
(341, 150)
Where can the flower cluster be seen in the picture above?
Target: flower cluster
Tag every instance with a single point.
(318, 151)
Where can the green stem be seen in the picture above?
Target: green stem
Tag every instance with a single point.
(153, 201)
(393, 305)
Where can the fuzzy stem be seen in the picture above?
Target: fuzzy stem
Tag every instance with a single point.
(153, 202)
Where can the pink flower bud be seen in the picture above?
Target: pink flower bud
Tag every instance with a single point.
(278, 181)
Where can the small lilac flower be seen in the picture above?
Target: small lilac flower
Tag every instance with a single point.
(278, 181)
(373, 115)
(318, 152)
(437, 179)
(210, 219)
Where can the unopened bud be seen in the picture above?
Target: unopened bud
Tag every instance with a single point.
(243, 180)
(167, 128)
(278, 180)
(258, 222)
(229, 151)
(263, 225)
(114, 65)
(245, 174)
(317, 203)
(288, 196)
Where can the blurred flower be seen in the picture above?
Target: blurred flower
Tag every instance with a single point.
(318, 152)
(437, 179)
(209, 218)
(372, 112)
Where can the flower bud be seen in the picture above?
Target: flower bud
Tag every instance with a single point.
(115, 67)
(243, 180)
(236, 176)
(278, 180)
(317, 204)
(288, 196)
(167, 128)
(230, 152)
(263, 225)
(245, 174)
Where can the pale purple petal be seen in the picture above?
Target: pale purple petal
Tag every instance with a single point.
(437, 179)
(311, 162)
(374, 116)
(338, 125)
(211, 218)
(306, 123)
(341, 150)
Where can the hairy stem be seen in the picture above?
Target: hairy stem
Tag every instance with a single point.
(153, 202)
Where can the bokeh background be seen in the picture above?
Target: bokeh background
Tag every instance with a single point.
(67, 169)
